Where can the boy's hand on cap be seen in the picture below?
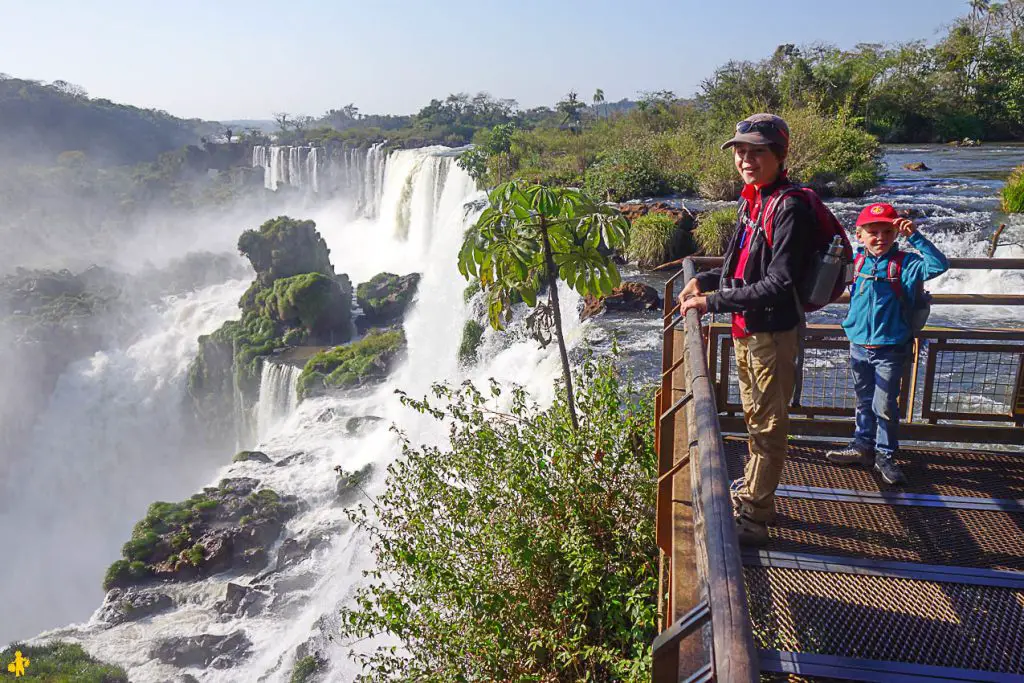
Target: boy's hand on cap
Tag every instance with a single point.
(905, 226)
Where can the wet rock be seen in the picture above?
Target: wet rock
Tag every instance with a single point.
(629, 297)
(294, 550)
(129, 604)
(349, 483)
(386, 296)
(916, 166)
(358, 425)
(289, 459)
(206, 650)
(241, 601)
(682, 216)
(251, 456)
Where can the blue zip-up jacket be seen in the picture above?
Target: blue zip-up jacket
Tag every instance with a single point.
(876, 317)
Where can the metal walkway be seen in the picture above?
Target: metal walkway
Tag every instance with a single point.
(859, 581)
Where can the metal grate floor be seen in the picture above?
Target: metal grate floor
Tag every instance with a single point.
(861, 581)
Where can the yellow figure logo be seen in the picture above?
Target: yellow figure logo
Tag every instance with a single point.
(877, 209)
(18, 666)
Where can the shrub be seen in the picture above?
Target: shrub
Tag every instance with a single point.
(1012, 195)
(124, 572)
(351, 365)
(306, 668)
(472, 333)
(714, 230)
(525, 550)
(650, 239)
(832, 155)
(628, 173)
(61, 662)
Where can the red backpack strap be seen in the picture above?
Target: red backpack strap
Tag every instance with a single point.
(768, 213)
(895, 273)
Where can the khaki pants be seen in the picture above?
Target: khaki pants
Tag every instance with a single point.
(766, 364)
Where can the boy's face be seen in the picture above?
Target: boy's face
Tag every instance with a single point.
(877, 237)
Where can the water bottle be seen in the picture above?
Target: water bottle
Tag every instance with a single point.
(827, 274)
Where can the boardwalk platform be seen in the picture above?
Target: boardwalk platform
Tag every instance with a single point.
(860, 581)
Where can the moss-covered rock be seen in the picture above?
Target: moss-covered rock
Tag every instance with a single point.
(343, 367)
(472, 333)
(284, 247)
(251, 456)
(386, 296)
(349, 483)
(229, 526)
(319, 305)
(628, 297)
(60, 662)
(714, 231)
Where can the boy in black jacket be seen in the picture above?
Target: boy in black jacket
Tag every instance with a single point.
(756, 283)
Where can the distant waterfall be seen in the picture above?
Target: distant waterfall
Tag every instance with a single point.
(278, 397)
(296, 166)
(358, 173)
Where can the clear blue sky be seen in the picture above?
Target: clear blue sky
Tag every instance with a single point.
(226, 59)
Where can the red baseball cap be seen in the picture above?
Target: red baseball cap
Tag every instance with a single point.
(877, 213)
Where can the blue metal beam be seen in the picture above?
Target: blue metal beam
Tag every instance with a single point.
(852, 669)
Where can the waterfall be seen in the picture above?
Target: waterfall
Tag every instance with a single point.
(316, 436)
(277, 397)
(296, 166)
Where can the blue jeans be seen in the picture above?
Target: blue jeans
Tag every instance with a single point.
(877, 374)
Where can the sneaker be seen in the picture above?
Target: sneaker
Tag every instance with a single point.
(852, 455)
(737, 504)
(890, 471)
(749, 532)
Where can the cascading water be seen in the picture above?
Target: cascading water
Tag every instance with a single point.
(278, 398)
(296, 166)
(112, 440)
(319, 434)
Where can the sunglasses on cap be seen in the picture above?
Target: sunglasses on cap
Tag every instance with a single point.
(760, 127)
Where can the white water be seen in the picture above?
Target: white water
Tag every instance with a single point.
(296, 166)
(421, 221)
(354, 173)
(111, 442)
(278, 398)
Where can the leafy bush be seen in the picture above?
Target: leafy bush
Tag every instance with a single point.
(832, 155)
(714, 230)
(650, 239)
(351, 365)
(472, 333)
(61, 662)
(628, 173)
(525, 550)
(1012, 195)
(123, 572)
(306, 668)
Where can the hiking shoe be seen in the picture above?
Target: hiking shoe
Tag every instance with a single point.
(890, 471)
(737, 504)
(749, 532)
(851, 455)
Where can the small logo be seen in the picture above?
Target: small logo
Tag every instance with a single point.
(877, 209)
(18, 666)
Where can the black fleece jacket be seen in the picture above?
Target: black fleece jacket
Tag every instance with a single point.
(767, 299)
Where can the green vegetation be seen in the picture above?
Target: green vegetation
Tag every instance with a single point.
(472, 333)
(1012, 195)
(61, 662)
(351, 365)
(306, 669)
(968, 84)
(172, 521)
(525, 550)
(650, 239)
(530, 237)
(470, 291)
(714, 230)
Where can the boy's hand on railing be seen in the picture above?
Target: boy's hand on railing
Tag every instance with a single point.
(905, 226)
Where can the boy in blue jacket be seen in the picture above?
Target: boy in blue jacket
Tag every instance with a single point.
(878, 326)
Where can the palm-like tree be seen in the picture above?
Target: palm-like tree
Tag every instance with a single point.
(599, 99)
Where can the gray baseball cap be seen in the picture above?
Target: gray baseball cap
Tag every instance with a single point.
(761, 129)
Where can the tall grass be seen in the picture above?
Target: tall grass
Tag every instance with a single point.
(1013, 193)
(714, 230)
(650, 239)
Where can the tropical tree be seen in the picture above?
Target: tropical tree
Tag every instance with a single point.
(530, 237)
(599, 99)
(571, 109)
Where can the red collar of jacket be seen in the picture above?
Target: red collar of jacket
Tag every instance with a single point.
(748, 192)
